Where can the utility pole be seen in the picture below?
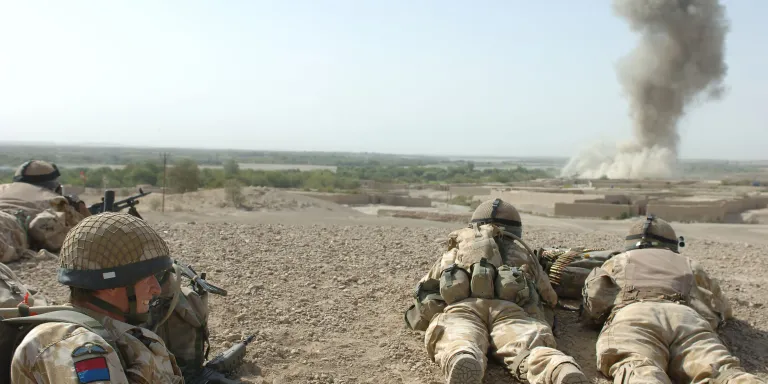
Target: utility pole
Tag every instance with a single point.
(165, 165)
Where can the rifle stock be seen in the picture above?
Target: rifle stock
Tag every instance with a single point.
(215, 370)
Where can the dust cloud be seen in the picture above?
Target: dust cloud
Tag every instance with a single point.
(678, 62)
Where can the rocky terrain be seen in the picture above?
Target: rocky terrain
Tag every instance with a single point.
(324, 289)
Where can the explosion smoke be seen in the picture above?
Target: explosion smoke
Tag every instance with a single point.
(679, 58)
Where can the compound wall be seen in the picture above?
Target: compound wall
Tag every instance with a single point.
(469, 191)
(708, 213)
(595, 209)
(369, 198)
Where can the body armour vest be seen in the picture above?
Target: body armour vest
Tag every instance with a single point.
(656, 274)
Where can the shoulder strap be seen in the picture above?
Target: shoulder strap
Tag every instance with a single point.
(69, 316)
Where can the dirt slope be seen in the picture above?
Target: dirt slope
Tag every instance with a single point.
(325, 295)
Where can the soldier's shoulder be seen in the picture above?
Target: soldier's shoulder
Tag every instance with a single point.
(55, 338)
(122, 328)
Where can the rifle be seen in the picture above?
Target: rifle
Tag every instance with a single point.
(198, 282)
(108, 203)
(215, 370)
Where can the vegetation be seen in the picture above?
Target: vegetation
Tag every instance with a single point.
(13, 155)
(233, 190)
(185, 175)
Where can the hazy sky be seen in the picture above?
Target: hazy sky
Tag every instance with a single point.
(504, 77)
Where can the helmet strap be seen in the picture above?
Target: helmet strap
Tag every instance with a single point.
(495, 208)
(131, 317)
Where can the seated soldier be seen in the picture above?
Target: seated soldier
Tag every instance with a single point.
(660, 312)
(496, 299)
(33, 213)
(109, 261)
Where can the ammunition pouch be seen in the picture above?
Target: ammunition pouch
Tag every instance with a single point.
(482, 283)
(427, 303)
(512, 285)
(454, 284)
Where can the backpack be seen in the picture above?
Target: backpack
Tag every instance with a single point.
(475, 243)
(13, 291)
(14, 329)
(181, 320)
(568, 268)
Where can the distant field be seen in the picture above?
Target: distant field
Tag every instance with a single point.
(263, 167)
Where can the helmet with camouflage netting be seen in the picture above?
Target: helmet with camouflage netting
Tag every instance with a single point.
(653, 232)
(501, 213)
(38, 172)
(112, 250)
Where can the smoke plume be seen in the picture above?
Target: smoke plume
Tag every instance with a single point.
(678, 62)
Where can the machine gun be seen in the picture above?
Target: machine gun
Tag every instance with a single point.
(108, 203)
(216, 369)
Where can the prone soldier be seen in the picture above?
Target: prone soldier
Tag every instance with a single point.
(33, 212)
(659, 313)
(487, 293)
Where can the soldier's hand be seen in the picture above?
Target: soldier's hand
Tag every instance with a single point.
(83, 209)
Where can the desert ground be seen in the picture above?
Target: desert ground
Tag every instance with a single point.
(324, 286)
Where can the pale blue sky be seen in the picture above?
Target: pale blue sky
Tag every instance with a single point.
(414, 77)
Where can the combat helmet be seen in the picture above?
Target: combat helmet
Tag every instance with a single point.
(501, 213)
(112, 250)
(38, 172)
(653, 233)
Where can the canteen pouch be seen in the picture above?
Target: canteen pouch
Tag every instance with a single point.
(454, 284)
(482, 283)
(511, 285)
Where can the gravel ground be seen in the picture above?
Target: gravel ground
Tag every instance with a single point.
(326, 300)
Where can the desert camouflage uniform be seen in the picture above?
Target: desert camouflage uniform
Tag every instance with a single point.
(105, 251)
(13, 239)
(37, 214)
(476, 325)
(46, 355)
(660, 312)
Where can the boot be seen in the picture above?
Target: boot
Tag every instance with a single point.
(465, 369)
(568, 373)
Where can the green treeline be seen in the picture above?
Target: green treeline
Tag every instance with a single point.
(186, 175)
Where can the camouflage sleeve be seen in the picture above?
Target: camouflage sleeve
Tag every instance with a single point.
(599, 293)
(65, 353)
(544, 286)
(446, 258)
(710, 289)
(48, 229)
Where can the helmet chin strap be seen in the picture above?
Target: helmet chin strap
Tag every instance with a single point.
(131, 317)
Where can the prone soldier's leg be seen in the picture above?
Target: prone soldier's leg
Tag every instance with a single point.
(528, 349)
(457, 340)
(698, 355)
(633, 347)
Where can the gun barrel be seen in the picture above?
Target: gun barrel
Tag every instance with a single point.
(109, 201)
(208, 287)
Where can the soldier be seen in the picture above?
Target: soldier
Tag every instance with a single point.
(33, 213)
(493, 296)
(660, 312)
(109, 261)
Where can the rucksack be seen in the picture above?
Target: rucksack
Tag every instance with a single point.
(14, 329)
(475, 243)
(181, 320)
(568, 268)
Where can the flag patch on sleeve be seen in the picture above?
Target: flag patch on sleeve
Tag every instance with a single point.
(93, 369)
